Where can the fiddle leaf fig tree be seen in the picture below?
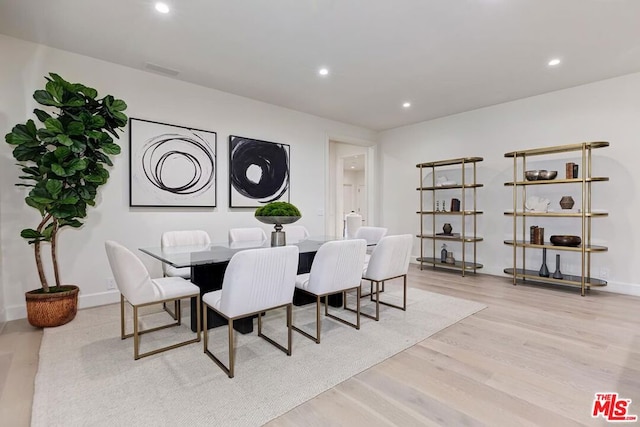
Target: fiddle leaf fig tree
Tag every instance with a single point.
(63, 161)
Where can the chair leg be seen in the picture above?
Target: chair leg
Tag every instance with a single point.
(316, 339)
(136, 337)
(173, 314)
(122, 333)
(231, 355)
(402, 307)
(358, 310)
(286, 350)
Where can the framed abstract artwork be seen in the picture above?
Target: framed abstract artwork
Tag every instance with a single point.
(258, 172)
(171, 166)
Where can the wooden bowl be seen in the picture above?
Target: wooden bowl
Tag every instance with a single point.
(565, 240)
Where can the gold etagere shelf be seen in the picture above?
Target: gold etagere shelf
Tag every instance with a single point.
(519, 214)
(464, 166)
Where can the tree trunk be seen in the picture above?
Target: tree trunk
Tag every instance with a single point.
(54, 258)
(36, 246)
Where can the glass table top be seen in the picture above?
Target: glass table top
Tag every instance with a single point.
(219, 252)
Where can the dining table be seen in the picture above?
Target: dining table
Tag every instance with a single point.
(208, 263)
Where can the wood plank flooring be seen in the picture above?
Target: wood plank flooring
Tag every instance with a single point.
(534, 357)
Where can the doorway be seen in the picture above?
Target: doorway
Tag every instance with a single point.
(350, 183)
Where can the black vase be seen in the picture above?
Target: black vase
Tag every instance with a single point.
(544, 271)
(557, 274)
(447, 228)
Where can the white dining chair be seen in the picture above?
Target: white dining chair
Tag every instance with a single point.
(337, 268)
(248, 234)
(139, 290)
(170, 239)
(255, 281)
(296, 233)
(389, 260)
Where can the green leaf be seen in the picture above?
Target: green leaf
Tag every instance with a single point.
(23, 153)
(65, 140)
(75, 128)
(54, 187)
(62, 153)
(58, 170)
(70, 222)
(22, 134)
(47, 232)
(121, 117)
(55, 89)
(30, 233)
(78, 146)
(43, 97)
(94, 178)
(111, 148)
(41, 115)
(118, 105)
(54, 125)
(74, 102)
(77, 165)
(35, 204)
(69, 201)
(89, 92)
(64, 211)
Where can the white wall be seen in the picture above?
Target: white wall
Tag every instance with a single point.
(149, 96)
(604, 111)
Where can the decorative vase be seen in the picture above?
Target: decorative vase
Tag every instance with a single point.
(45, 310)
(278, 237)
(443, 254)
(557, 274)
(566, 202)
(544, 271)
(447, 228)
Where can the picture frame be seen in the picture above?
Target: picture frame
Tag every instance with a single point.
(259, 172)
(171, 165)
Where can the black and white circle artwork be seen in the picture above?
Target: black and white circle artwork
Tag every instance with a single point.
(172, 166)
(258, 172)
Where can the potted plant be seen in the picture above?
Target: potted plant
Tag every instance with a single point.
(63, 164)
(278, 213)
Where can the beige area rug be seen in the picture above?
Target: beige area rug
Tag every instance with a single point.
(87, 375)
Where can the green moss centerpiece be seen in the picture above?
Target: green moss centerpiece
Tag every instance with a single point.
(278, 213)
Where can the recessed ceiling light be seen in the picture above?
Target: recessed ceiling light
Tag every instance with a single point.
(406, 105)
(323, 71)
(353, 167)
(554, 62)
(162, 7)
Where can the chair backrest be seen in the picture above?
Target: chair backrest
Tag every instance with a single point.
(390, 257)
(130, 274)
(183, 238)
(296, 233)
(353, 222)
(371, 234)
(337, 265)
(255, 234)
(258, 279)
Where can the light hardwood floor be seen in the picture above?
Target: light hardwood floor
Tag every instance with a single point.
(534, 356)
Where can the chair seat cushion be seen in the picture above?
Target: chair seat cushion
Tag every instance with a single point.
(175, 287)
(212, 299)
(184, 272)
(302, 281)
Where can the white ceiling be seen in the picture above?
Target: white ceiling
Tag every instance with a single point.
(444, 56)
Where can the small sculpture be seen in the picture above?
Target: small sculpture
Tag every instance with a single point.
(537, 204)
(566, 202)
(443, 253)
(447, 228)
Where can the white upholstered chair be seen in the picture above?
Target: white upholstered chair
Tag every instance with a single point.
(256, 280)
(337, 268)
(171, 239)
(389, 260)
(139, 290)
(296, 233)
(371, 234)
(249, 234)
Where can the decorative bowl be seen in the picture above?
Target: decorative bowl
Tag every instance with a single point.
(547, 175)
(278, 220)
(565, 240)
(532, 175)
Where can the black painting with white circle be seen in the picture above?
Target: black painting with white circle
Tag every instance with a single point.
(259, 171)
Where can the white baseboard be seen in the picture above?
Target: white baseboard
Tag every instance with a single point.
(614, 287)
(84, 301)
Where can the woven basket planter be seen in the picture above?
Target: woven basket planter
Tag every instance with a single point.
(46, 310)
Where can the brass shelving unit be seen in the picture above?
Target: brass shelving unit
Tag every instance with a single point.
(463, 166)
(519, 214)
